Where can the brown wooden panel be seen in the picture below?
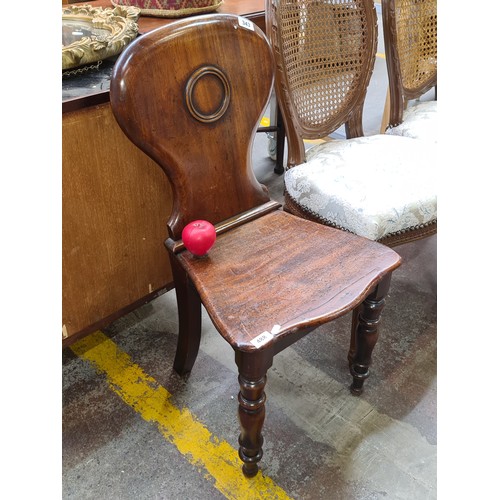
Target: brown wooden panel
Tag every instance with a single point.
(116, 202)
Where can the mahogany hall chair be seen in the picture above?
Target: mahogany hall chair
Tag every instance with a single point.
(410, 39)
(191, 95)
(380, 187)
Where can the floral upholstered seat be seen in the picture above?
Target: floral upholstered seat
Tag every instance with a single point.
(376, 187)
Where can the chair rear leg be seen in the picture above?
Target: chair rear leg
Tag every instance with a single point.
(354, 327)
(252, 398)
(189, 312)
(280, 142)
(364, 334)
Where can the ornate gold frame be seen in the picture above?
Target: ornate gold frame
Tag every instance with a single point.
(116, 27)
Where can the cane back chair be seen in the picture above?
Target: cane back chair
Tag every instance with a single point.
(380, 187)
(410, 39)
(190, 95)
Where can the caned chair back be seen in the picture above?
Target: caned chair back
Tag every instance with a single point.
(325, 53)
(410, 39)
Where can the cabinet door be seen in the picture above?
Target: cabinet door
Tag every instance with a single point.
(115, 205)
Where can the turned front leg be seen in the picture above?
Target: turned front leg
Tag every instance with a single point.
(364, 334)
(252, 411)
(251, 398)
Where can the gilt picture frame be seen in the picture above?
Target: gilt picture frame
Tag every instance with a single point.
(91, 34)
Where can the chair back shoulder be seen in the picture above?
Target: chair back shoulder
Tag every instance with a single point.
(325, 53)
(190, 95)
(410, 40)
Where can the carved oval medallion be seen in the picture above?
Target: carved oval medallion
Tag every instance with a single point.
(207, 94)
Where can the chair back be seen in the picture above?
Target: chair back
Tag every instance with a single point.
(410, 38)
(325, 53)
(190, 95)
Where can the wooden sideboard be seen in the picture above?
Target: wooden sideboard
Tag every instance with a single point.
(116, 202)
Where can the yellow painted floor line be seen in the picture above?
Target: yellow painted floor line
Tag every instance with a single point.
(216, 458)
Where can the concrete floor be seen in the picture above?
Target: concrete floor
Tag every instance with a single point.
(320, 442)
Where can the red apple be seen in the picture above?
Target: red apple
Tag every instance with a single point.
(198, 237)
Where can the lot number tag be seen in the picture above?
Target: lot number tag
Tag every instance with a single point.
(245, 23)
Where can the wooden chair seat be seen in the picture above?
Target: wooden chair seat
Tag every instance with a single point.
(300, 287)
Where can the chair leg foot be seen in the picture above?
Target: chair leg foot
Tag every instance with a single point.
(250, 465)
(364, 334)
